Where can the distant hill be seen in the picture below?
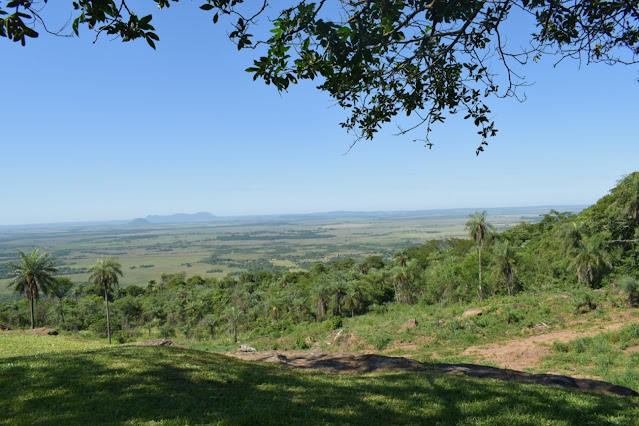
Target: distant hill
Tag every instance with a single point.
(139, 222)
(181, 218)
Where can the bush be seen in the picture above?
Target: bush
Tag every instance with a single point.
(167, 331)
(584, 299)
(380, 341)
(334, 323)
(300, 343)
(122, 337)
(630, 286)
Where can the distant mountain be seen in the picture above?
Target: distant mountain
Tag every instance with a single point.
(139, 222)
(181, 218)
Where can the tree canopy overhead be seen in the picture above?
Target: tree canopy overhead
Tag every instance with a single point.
(384, 59)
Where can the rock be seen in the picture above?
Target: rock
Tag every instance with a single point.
(472, 312)
(157, 342)
(5, 327)
(411, 323)
(244, 348)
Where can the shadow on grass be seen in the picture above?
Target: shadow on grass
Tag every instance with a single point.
(157, 384)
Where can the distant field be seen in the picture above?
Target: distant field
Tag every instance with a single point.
(218, 248)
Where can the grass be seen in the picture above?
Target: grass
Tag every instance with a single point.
(604, 356)
(12, 345)
(170, 386)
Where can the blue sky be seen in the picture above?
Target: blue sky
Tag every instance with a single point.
(116, 130)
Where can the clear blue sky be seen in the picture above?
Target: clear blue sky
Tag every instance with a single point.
(117, 130)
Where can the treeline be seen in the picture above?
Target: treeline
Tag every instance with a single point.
(597, 247)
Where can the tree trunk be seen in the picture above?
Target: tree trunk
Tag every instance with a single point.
(106, 299)
(480, 270)
(62, 311)
(32, 313)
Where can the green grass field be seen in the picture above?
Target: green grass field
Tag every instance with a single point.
(80, 383)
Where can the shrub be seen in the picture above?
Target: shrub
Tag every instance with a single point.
(380, 341)
(167, 331)
(334, 323)
(584, 299)
(122, 337)
(630, 286)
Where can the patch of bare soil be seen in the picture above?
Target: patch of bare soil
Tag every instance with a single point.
(342, 363)
(35, 331)
(518, 354)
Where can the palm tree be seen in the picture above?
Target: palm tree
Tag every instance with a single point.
(478, 229)
(59, 289)
(504, 262)
(590, 259)
(401, 258)
(33, 274)
(104, 274)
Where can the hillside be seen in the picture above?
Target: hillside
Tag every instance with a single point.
(165, 385)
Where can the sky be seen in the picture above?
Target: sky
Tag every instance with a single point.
(115, 130)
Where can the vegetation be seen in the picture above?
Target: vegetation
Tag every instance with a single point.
(423, 59)
(478, 228)
(104, 274)
(606, 356)
(34, 274)
(534, 279)
(164, 385)
(526, 259)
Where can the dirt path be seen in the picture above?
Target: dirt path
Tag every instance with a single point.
(526, 353)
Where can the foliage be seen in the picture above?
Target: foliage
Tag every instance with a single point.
(630, 285)
(423, 59)
(33, 274)
(479, 229)
(105, 275)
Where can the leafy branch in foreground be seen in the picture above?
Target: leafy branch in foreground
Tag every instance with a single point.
(425, 60)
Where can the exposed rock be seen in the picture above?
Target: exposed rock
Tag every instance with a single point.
(472, 312)
(411, 323)
(5, 327)
(345, 363)
(40, 332)
(244, 348)
(157, 342)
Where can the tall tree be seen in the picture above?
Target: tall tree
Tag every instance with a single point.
(504, 263)
(478, 229)
(32, 275)
(104, 274)
(60, 287)
(590, 258)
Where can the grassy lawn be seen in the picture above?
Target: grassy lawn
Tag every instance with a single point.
(163, 385)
